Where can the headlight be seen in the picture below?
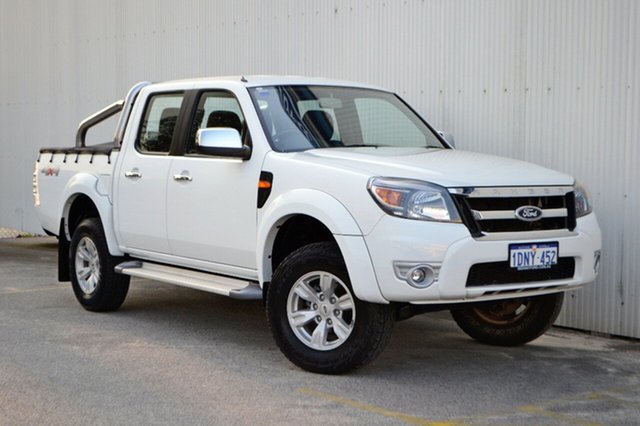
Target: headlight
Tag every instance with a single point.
(413, 199)
(583, 205)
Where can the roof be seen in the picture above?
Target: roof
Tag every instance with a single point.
(276, 80)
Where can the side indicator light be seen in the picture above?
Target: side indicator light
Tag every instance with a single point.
(264, 187)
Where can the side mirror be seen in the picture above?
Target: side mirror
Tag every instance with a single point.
(221, 142)
(448, 137)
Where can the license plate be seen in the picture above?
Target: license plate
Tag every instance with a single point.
(533, 255)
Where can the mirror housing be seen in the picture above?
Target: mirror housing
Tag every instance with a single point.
(448, 137)
(221, 142)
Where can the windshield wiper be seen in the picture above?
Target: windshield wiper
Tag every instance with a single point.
(359, 145)
(386, 146)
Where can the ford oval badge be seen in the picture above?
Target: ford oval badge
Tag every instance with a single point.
(528, 213)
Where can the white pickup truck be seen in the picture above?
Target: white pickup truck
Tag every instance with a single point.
(333, 202)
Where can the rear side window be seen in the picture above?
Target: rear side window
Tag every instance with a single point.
(159, 123)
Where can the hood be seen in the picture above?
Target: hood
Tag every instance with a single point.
(445, 167)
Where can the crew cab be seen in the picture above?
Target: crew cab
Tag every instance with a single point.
(335, 203)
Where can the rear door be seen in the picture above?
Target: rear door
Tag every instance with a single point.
(211, 204)
(141, 198)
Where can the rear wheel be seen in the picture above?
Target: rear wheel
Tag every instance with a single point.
(315, 318)
(510, 322)
(95, 283)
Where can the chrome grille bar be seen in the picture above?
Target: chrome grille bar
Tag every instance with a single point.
(512, 191)
(511, 214)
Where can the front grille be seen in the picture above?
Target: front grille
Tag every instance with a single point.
(496, 273)
(490, 214)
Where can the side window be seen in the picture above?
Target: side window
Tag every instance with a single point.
(216, 109)
(382, 122)
(159, 123)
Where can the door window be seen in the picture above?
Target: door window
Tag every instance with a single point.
(216, 109)
(159, 123)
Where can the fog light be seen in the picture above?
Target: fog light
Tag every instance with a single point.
(417, 275)
(421, 276)
(596, 261)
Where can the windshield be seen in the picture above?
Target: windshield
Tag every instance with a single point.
(297, 118)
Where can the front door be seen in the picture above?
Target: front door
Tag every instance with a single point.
(211, 201)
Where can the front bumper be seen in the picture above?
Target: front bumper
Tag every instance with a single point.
(450, 247)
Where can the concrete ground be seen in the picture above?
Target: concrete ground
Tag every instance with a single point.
(178, 356)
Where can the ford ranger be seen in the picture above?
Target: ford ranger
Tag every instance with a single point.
(333, 202)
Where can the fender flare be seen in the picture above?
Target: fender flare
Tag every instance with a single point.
(335, 216)
(88, 184)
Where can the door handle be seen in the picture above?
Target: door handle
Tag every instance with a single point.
(133, 174)
(182, 178)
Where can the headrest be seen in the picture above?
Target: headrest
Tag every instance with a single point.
(169, 113)
(224, 119)
(320, 123)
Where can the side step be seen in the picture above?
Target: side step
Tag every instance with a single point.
(234, 288)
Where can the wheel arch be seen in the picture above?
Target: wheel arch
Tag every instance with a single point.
(82, 199)
(330, 221)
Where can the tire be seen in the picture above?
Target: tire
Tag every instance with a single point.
(95, 283)
(510, 322)
(325, 331)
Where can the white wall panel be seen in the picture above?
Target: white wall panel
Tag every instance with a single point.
(553, 82)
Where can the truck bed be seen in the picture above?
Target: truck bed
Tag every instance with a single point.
(56, 166)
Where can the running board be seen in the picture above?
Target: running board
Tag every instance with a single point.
(234, 288)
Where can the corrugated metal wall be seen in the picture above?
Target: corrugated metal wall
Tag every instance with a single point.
(553, 82)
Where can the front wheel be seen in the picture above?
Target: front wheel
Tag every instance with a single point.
(315, 318)
(510, 322)
(95, 283)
